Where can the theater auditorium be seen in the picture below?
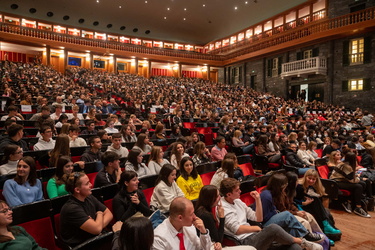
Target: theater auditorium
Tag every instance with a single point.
(166, 124)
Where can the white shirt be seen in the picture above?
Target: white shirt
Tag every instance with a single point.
(155, 167)
(174, 160)
(237, 215)
(79, 142)
(44, 145)
(163, 195)
(122, 151)
(218, 177)
(166, 238)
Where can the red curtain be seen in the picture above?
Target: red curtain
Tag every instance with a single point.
(161, 72)
(192, 74)
(13, 56)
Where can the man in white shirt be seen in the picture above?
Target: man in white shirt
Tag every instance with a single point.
(45, 142)
(237, 215)
(179, 230)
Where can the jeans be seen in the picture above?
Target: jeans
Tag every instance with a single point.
(263, 240)
(289, 223)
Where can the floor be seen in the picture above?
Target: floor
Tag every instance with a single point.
(358, 233)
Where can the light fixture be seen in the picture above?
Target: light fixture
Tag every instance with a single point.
(235, 7)
(184, 9)
(120, 7)
(168, 8)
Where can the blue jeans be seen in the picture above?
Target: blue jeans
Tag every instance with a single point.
(302, 171)
(289, 223)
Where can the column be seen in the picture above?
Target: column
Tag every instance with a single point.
(91, 60)
(209, 72)
(149, 69)
(179, 73)
(136, 65)
(48, 55)
(65, 59)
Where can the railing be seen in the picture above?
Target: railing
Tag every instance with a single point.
(262, 42)
(256, 43)
(65, 38)
(317, 65)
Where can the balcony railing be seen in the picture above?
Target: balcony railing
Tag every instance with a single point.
(313, 28)
(231, 53)
(66, 38)
(313, 65)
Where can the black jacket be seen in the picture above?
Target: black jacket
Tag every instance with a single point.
(293, 159)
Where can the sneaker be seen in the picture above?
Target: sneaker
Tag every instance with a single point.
(348, 208)
(359, 211)
(314, 237)
(310, 245)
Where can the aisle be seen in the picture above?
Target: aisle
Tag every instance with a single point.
(358, 232)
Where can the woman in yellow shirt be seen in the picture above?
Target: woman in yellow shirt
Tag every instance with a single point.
(189, 181)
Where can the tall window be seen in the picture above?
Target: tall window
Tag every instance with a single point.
(356, 49)
(356, 84)
(275, 67)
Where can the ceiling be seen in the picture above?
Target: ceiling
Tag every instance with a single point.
(190, 21)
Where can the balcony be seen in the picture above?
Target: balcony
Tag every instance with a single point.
(313, 65)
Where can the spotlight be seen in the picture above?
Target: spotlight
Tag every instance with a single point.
(122, 28)
(66, 18)
(109, 26)
(14, 6)
(147, 32)
(135, 30)
(96, 23)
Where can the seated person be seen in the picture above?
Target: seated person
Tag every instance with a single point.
(111, 171)
(134, 163)
(218, 151)
(178, 152)
(226, 170)
(110, 126)
(264, 149)
(293, 159)
(156, 161)
(136, 233)
(94, 153)
(12, 154)
(238, 143)
(75, 140)
(13, 112)
(13, 237)
(335, 145)
(45, 142)
(166, 189)
(15, 134)
(25, 187)
(179, 231)
(143, 144)
(189, 181)
(129, 201)
(82, 217)
(201, 154)
(56, 185)
(116, 146)
(75, 114)
(237, 214)
(304, 155)
(58, 112)
(90, 124)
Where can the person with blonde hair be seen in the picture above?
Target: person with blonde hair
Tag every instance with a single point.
(309, 194)
(201, 154)
(238, 143)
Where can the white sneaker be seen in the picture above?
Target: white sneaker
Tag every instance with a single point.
(310, 245)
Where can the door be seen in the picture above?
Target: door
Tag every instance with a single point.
(316, 92)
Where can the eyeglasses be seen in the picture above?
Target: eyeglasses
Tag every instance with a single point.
(19, 152)
(5, 210)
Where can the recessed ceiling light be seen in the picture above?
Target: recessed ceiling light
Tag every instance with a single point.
(165, 17)
(184, 18)
(146, 2)
(168, 8)
(235, 7)
(97, 1)
(120, 7)
(246, 2)
(184, 9)
(204, 5)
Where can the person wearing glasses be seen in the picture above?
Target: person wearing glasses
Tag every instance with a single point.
(13, 237)
(82, 217)
(25, 187)
(12, 154)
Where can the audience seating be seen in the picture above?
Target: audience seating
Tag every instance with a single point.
(35, 218)
(244, 162)
(207, 171)
(147, 185)
(246, 187)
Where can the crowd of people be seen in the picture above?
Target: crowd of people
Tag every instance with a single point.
(103, 110)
